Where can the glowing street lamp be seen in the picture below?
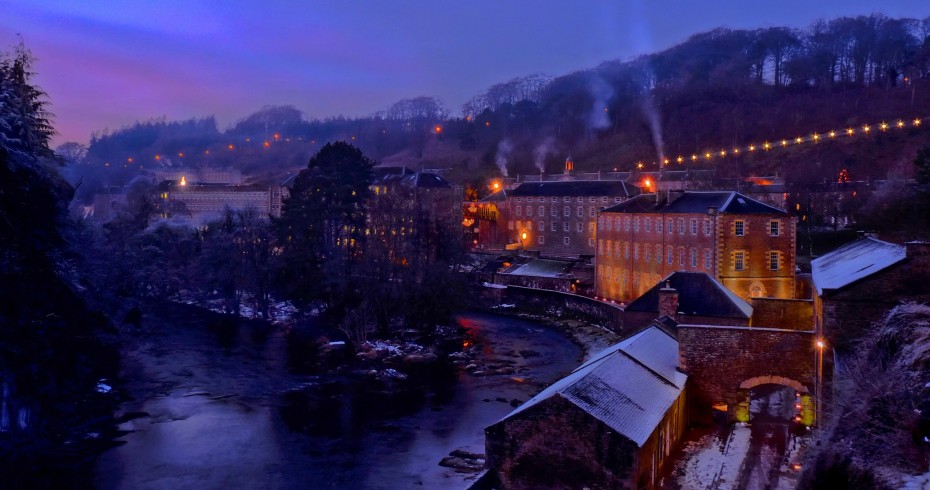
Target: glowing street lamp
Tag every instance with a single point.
(820, 346)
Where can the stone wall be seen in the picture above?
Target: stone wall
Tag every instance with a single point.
(564, 305)
(792, 314)
(718, 359)
(556, 445)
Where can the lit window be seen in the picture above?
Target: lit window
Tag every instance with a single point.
(774, 261)
(773, 228)
(739, 228)
(739, 261)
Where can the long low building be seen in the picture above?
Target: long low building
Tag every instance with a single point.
(206, 201)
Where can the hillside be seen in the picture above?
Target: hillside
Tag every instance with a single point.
(716, 91)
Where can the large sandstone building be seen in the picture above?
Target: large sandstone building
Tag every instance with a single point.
(746, 245)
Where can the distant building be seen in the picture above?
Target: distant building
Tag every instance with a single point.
(856, 284)
(203, 202)
(745, 244)
(611, 423)
(418, 212)
(558, 218)
(209, 175)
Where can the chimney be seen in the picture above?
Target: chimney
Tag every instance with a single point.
(916, 249)
(668, 302)
(569, 166)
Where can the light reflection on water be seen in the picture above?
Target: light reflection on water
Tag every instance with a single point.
(341, 436)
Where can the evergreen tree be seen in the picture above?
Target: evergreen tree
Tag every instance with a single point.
(322, 223)
(25, 123)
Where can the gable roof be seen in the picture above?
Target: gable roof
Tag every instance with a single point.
(576, 188)
(854, 261)
(692, 202)
(699, 294)
(629, 386)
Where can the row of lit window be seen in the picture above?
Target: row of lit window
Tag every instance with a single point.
(579, 200)
(554, 211)
(553, 226)
(740, 227)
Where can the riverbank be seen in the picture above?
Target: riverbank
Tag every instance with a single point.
(590, 337)
(218, 404)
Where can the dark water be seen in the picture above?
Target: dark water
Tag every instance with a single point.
(225, 412)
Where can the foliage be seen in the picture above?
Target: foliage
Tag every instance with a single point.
(879, 421)
(323, 222)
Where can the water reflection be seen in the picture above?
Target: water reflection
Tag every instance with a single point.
(225, 411)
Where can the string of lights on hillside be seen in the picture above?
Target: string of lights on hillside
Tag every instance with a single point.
(816, 137)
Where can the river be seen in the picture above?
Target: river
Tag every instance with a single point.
(223, 410)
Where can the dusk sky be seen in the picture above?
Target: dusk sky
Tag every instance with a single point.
(108, 64)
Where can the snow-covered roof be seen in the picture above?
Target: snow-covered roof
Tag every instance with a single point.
(543, 268)
(628, 386)
(854, 261)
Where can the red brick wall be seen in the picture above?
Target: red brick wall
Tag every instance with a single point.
(527, 219)
(757, 243)
(627, 264)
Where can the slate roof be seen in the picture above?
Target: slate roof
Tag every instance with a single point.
(420, 180)
(498, 196)
(699, 294)
(854, 261)
(629, 386)
(543, 268)
(576, 188)
(696, 202)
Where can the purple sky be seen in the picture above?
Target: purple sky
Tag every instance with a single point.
(108, 64)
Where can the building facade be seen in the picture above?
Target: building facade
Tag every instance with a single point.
(559, 218)
(203, 202)
(746, 245)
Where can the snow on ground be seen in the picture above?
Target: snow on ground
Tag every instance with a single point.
(917, 482)
(711, 462)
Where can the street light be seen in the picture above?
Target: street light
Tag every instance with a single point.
(523, 240)
(820, 347)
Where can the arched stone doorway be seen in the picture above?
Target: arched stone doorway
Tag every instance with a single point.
(805, 403)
